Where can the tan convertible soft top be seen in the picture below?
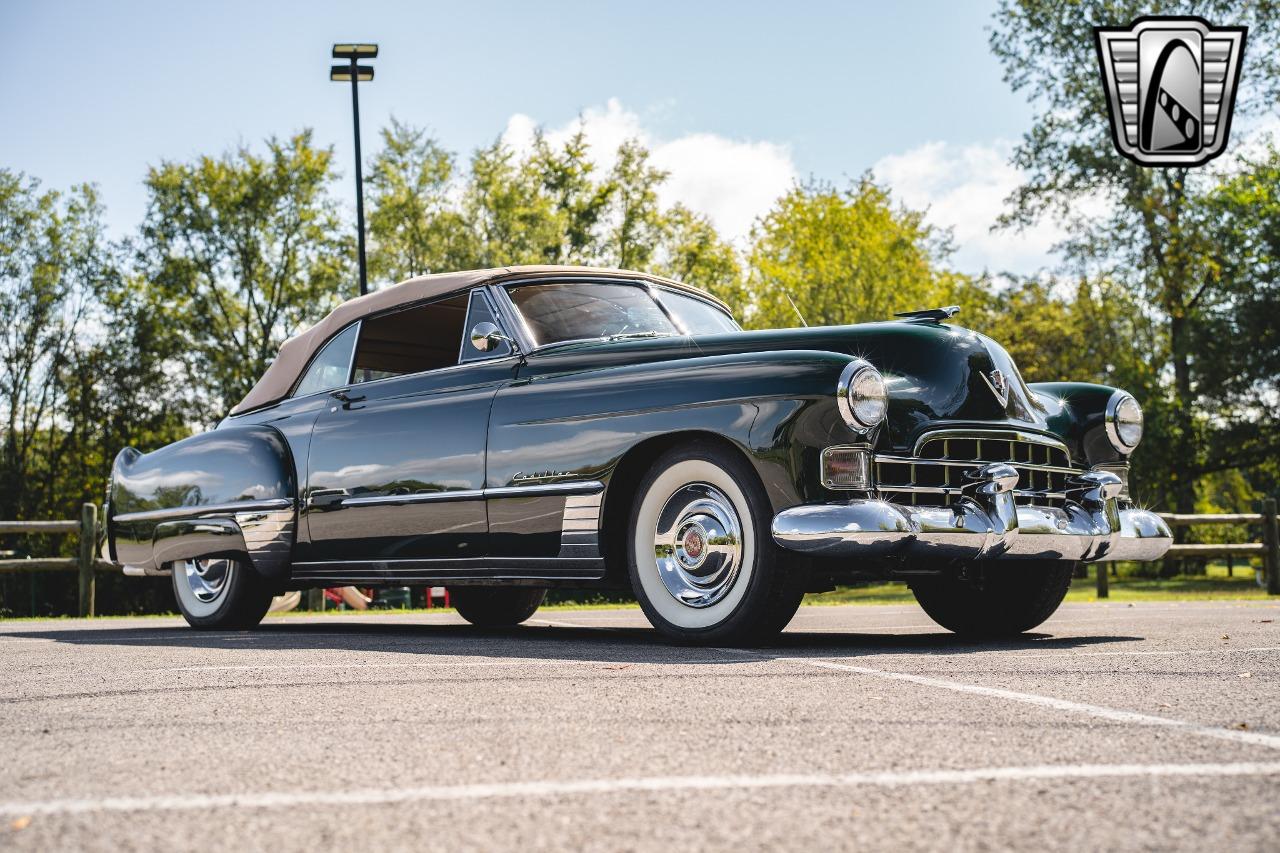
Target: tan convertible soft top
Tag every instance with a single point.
(296, 352)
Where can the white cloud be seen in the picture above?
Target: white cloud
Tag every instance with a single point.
(731, 181)
(964, 188)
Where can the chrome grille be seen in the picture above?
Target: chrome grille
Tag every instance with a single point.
(935, 472)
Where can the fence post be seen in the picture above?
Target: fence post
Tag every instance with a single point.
(88, 536)
(1271, 538)
(1103, 589)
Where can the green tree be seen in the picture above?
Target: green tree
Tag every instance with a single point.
(511, 219)
(1237, 338)
(1156, 237)
(692, 251)
(843, 256)
(413, 226)
(53, 259)
(244, 250)
(637, 216)
(580, 202)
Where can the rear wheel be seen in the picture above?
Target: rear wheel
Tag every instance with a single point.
(220, 594)
(496, 606)
(1011, 597)
(702, 562)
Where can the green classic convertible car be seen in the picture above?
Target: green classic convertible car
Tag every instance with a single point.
(507, 431)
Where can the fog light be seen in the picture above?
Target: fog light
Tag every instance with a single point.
(1121, 470)
(846, 468)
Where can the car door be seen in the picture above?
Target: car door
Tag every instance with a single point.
(396, 464)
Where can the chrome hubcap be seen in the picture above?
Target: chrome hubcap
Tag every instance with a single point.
(698, 545)
(207, 578)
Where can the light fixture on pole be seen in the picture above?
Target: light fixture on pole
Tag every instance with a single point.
(356, 74)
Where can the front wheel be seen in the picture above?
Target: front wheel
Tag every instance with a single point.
(701, 559)
(1010, 597)
(496, 606)
(220, 594)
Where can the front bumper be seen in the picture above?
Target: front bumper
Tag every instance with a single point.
(984, 524)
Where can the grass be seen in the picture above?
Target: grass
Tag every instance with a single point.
(1214, 585)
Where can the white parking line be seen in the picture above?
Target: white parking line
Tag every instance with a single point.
(654, 784)
(1099, 711)
(1073, 653)
(1069, 653)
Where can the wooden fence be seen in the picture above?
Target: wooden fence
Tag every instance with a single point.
(1268, 549)
(87, 564)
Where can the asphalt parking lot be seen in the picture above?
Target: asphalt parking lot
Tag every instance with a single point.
(1117, 726)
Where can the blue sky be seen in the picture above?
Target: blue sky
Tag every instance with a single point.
(740, 97)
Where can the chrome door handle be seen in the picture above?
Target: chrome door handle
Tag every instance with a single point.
(341, 394)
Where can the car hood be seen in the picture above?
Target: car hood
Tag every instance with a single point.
(937, 375)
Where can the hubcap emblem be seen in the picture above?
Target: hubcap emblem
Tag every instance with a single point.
(693, 543)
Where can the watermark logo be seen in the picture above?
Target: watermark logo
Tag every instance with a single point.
(1171, 84)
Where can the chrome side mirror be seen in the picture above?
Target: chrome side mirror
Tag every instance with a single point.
(486, 337)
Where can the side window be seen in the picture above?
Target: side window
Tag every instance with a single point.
(329, 369)
(481, 312)
(411, 341)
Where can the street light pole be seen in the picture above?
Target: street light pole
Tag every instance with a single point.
(357, 74)
(355, 115)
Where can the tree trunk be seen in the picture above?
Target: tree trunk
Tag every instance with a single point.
(1182, 462)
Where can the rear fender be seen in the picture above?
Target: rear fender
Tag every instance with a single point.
(230, 492)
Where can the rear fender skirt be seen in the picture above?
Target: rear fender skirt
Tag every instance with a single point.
(192, 538)
(260, 531)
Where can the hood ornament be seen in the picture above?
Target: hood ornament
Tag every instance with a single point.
(999, 386)
(929, 315)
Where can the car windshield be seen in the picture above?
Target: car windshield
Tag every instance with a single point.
(557, 312)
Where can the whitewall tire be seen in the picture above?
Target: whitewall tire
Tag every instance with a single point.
(702, 563)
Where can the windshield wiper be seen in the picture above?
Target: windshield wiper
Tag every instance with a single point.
(649, 334)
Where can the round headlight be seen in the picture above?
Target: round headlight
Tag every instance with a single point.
(1124, 422)
(861, 395)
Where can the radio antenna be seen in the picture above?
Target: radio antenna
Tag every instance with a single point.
(794, 308)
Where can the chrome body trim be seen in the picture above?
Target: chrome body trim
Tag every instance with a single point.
(268, 537)
(983, 524)
(570, 487)
(580, 526)
(411, 498)
(573, 487)
(144, 572)
(198, 510)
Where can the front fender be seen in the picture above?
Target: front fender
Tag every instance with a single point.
(777, 406)
(1080, 418)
